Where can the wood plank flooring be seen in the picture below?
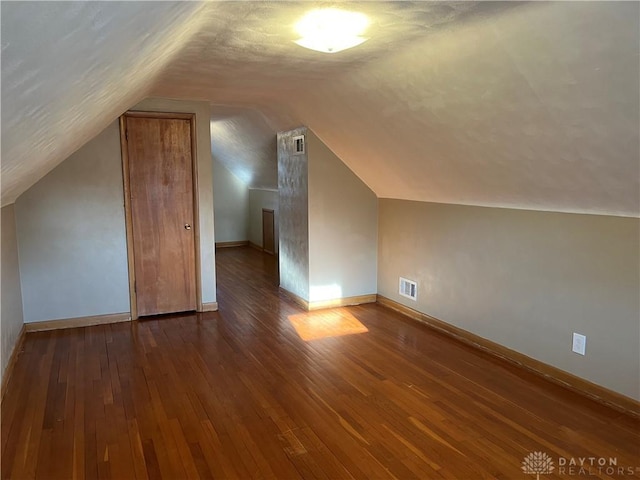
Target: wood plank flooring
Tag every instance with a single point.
(239, 394)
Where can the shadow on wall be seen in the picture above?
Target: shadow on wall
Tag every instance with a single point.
(244, 143)
(243, 146)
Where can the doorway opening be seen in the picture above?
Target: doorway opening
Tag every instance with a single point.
(268, 231)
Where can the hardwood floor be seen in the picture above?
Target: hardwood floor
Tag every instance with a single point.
(239, 394)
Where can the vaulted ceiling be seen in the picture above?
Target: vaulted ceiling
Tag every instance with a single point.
(524, 105)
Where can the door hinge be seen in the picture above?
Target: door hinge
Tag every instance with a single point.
(135, 287)
(126, 135)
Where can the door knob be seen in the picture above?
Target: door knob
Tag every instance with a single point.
(187, 226)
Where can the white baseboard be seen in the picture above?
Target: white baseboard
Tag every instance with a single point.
(210, 307)
(77, 322)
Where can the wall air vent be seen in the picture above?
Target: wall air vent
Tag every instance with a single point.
(298, 145)
(408, 288)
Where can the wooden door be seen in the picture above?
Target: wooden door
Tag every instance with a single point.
(161, 203)
(268, 231)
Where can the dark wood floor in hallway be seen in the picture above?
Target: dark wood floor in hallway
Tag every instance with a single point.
(261, 389)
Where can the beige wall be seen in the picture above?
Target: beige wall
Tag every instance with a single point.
(231, 205)
(327, 221)
(205, 183)
(259, 199)
(72, 238)
(11, 297)
(523, 279)
(343, 225)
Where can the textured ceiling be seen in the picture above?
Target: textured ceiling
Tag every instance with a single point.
(71, 68)
(244, 142)
(502, 104)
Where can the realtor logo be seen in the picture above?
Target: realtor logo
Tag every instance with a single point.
(537, 463)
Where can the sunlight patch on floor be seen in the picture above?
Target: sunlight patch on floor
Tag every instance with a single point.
(326, 323)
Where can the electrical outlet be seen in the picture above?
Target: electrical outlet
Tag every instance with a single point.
(579, 343)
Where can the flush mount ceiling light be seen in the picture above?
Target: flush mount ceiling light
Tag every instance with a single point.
(331, 30)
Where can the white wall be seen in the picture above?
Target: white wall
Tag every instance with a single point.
(231, 205)
(343, 228)
(205, 183)
(294, 216)
(71, 227)
(71, 236)
(11, 319)
(259, 199)
(524, 279)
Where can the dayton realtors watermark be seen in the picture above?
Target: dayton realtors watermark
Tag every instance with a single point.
(540, 463)
(594, 466)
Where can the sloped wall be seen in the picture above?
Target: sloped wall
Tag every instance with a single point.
(243, 141)
(523, 279)
(11, 318)
(71, 236)
(343, 227)
(71, 227)
(231, 205)
(328, 224)
(70, 68)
